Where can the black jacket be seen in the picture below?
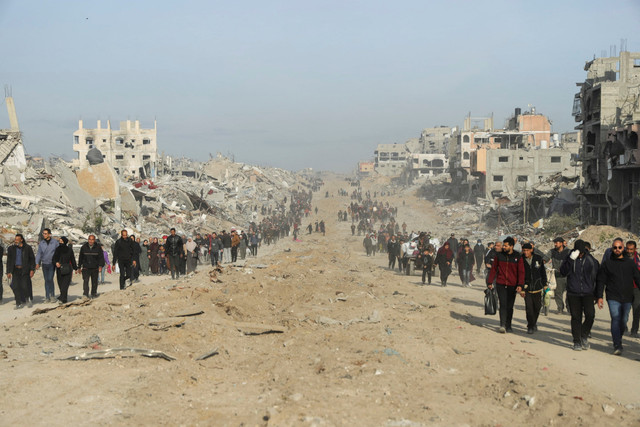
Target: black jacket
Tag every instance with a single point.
(64, 255)
(617, 276)
(581, 275)
(124, 250)
(174, 246)
(91, 257)
(479, 251)
(226, 240)
(535, 275)
(28, 258)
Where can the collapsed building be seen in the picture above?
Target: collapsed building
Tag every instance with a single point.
(131, 150)
(94, 199)
(607, 108)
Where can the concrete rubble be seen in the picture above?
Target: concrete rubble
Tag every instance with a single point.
(220, 194)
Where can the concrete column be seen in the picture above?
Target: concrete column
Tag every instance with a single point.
(80, 124)
(137, 125)
(13, 116)
(99, 124)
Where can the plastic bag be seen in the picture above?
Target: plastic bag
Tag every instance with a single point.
(490, 301)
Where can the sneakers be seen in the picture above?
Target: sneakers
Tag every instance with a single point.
(634, 335)
(530, 331)
(19, 306)
(502, 330)
(585, 344)
(617, 351)
(94, 296)
(577, 346)
(30, 303)
(509, 329)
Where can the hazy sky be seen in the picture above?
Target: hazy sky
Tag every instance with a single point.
(296, 84)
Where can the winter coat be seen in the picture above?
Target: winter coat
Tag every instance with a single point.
(174, 246)
(617, 276)
(28, 258)
(91, 257)
(581, 275)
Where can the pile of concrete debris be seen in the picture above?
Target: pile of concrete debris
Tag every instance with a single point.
(96, 200)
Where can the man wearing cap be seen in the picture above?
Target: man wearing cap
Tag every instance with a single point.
(557, 255)
(617, 276)
(507, 270)
(535, 282)
(580, 269)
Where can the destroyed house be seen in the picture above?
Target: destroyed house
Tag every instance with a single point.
(130, 150)
(607, 108)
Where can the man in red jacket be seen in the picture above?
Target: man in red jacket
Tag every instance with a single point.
(508, 272)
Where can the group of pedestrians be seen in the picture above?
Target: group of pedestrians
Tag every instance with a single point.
(586, 281)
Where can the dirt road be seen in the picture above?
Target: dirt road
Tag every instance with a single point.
(310, 333)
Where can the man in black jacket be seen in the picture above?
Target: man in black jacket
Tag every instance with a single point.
(21, 264)
(175, 249)
(617, 276)
(478, 252)
(535, 282)
(580, 269)
(90, 262)
(124, 255)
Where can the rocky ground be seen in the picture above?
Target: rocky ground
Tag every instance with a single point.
(309, 333)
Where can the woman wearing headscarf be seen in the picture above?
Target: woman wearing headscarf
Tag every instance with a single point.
(144, 258)
(465, 262)
(154, 247)
(192, 259)
(65, 262)
(444, 258)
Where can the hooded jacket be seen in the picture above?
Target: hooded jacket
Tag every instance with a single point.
(581, 275)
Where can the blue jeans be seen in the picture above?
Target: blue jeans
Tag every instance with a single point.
(619, 312)
(48, 271)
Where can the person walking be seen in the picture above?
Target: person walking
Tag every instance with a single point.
(479, 253)
(192, 261)
(46, 249)
(21, 264)
(90, 263)
(535, 282)
(64, 261)
(226, 246)
(154, 248)
(368, 244)
(123, 254)
(145, 257)
(557, 255)
(465, 261)
(253, 241)
(235, 244)
(174, 248)
(393, 248)
(580, 270)
(507, 270)
(107, 265)
(616, 277)
(635, 307)
(427, 264)
(444, 258)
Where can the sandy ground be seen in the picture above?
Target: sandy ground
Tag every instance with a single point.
(321, 336)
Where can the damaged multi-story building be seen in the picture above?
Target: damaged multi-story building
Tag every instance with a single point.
(510, 161)
(130, 150)
(12, 154)
(608, 110)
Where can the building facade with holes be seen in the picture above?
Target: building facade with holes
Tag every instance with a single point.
(130, 150)
(607, 110)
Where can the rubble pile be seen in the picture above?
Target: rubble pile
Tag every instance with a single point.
(96, 200)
